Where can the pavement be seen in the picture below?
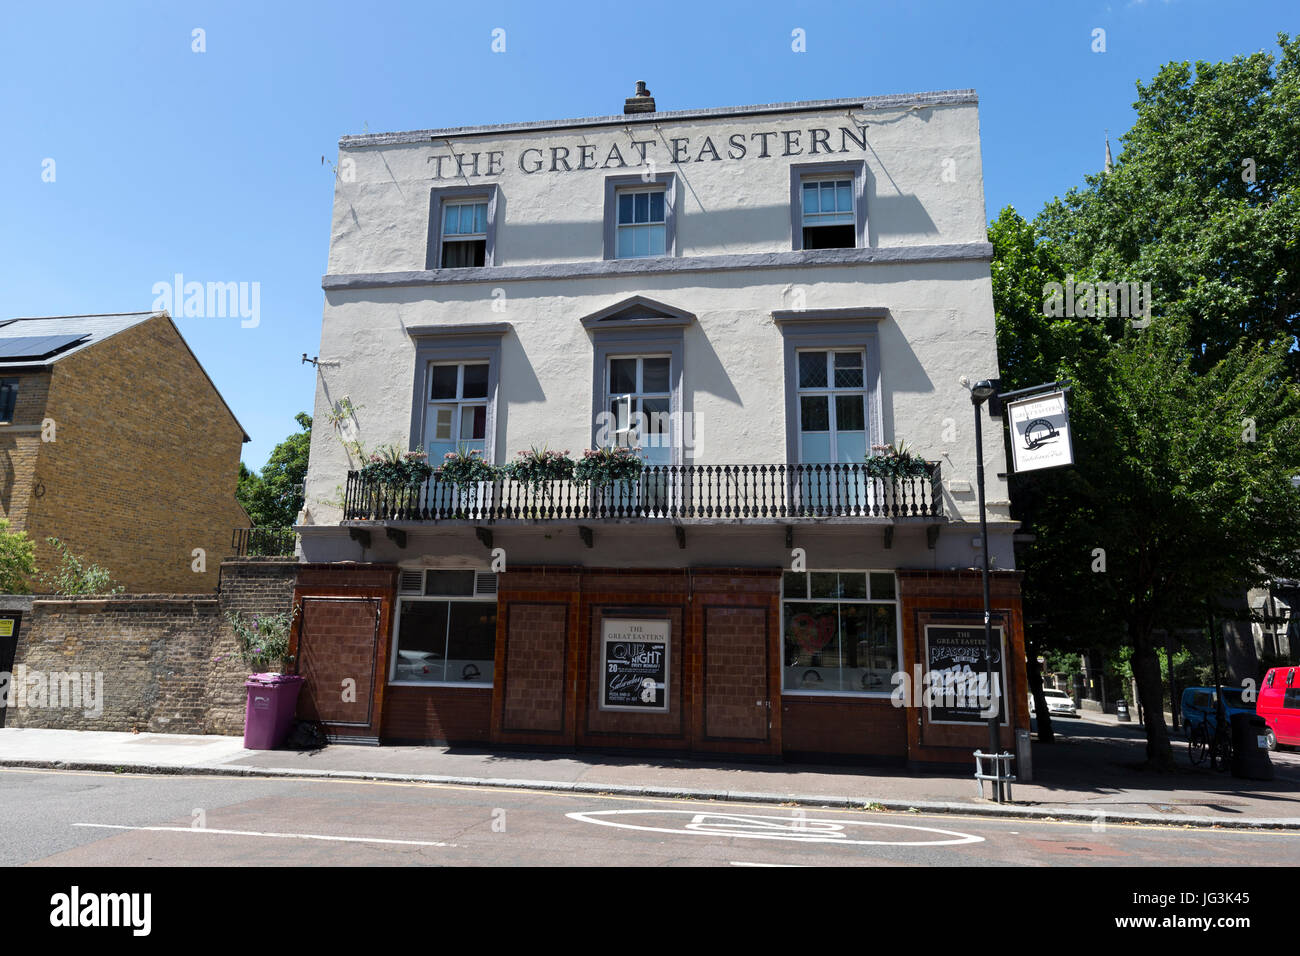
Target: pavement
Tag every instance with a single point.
(1093, 772)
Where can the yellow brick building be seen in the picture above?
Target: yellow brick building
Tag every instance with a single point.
(114, 440)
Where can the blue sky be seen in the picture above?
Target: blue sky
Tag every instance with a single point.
(208, 164)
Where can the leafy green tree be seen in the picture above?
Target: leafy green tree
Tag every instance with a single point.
(74, 576)
(1203, 202)
(1181, 489)
(17, 560)
(1185, 432)
(274, 498)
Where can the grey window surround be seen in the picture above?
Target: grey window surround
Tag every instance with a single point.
(831, 329)
(661, 329)
(800, 171)
(441, 194)
(468, 343)
(613, 184)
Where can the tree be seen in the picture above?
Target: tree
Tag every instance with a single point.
(1203, 203)
(17, 560)
(1064, 604)
(1185, 431)
(274, 498)
(75, 576)
(1180, 492)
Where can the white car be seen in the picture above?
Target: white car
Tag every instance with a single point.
(1059, 703)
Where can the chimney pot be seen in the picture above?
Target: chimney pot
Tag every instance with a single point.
(641, 101)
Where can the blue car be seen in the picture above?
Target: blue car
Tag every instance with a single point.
(1199, 706)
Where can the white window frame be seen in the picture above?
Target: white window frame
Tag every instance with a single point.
(898, 628)
(442, 196)
(856, 173)
(831, 392)
(465, 236)
(459, 403)
(616, 186)
(446, 599)
(637, 397)
(622, 229)
(806, 181)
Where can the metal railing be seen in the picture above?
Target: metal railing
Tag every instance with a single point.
(264, 542)
(667, 492)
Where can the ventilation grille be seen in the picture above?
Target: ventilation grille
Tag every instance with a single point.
(412, 581)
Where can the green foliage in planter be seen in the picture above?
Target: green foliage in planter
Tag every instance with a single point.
(886, 461)
(393, 467)
(607, 465)
(539, 465)
(463, 467)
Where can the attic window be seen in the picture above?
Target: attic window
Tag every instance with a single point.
(464, 234)
(462, 227)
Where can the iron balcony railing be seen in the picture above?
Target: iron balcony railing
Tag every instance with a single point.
(668, 492)
(273, 542)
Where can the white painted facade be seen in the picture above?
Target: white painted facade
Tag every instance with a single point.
(924, 258)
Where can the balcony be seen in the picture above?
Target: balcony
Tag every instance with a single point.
(675, 494)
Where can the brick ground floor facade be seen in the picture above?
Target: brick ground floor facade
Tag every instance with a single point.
(757, 662)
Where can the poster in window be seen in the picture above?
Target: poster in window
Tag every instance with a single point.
(957, 689)
(634, 664)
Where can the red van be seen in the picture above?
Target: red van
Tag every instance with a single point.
(1279, 705)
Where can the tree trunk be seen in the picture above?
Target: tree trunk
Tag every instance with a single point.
(1241, 661)
(1146, 671)
(1035, 674)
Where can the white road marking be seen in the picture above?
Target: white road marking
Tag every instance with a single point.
(799, 829)
(743, 863)
(279, 836)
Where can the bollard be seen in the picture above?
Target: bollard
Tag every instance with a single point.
(1121, 711)
(999, 774)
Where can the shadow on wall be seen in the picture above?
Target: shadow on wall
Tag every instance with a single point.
(893, 213)
(705, 371)
(901, 372)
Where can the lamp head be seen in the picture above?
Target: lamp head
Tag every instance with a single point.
(982, 391)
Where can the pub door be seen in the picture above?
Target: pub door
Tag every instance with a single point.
(738, 712)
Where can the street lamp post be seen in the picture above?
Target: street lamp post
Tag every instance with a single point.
(979, 394)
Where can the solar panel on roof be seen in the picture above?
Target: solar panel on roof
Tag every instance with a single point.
(36, 347)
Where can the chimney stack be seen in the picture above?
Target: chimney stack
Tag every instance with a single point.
(642, 102)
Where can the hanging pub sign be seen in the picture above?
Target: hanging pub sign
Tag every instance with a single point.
(1040, 432)
(634, 664)
(957, 687)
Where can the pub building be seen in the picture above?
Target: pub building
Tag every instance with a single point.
(755, 299)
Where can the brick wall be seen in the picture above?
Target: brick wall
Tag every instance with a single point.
(533, 679)
(957, 597)
(843, 726)
(150, 653)
(723, 660)
(167, 662)
(144, 467)
(344, 634)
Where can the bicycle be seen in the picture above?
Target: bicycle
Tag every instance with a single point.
(1197, 743)
(1221, 747)
(1218, 744)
